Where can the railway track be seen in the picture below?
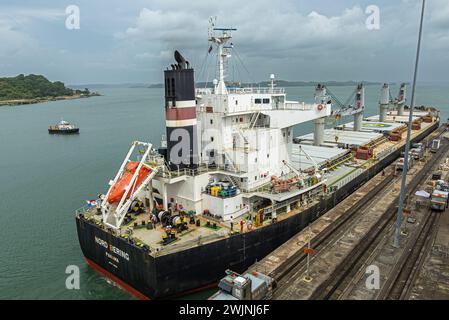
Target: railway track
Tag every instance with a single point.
(298, 261)
(337, 284)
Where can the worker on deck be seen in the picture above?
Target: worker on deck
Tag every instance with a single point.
(164, 237)
(232, 224)
(241, 225)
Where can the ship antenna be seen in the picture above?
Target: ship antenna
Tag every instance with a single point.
(220, 36)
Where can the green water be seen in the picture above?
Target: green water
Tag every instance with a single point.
(44, 178)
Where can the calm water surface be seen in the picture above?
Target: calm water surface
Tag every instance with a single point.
(44, 178)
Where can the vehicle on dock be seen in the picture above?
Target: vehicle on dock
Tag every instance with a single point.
(417, 151)
(435, 145)
(400, 162)
(250, 286)
(439, 200)
(63, 127)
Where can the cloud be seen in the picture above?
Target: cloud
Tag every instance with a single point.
(13, 42)
(323, 40)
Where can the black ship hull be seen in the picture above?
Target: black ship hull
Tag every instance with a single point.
(68, 131)
(173, 274)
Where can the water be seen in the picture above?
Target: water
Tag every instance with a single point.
(44, 178)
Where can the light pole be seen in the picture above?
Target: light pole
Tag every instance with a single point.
(397, 238)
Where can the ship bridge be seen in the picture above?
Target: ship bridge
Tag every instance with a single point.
(270, 102)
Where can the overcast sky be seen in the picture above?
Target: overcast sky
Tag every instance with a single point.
(132, 41)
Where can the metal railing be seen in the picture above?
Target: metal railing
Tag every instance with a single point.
(249, 90)
(203, 168)
(297, 106)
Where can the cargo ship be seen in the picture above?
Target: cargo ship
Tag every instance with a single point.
(229, 182)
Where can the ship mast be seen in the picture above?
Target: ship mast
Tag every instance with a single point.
(220, 39)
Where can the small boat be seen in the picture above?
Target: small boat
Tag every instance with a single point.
(63, 127)
(118, 189)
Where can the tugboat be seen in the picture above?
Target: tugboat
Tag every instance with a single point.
(63, 127)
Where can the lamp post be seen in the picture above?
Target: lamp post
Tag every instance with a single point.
(397, 238)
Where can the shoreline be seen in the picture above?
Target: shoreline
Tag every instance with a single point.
(19, 102)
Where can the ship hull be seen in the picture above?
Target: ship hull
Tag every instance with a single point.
(68, 131)
(169, 275)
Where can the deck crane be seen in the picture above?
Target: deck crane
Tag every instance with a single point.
(299, 172)
(348, 109)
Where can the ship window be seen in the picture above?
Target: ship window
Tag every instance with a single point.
(241, 179)
(255, 160)
(212, 139)
(211, 121)
(268, 155)
(257, 101)
(266, 101)
(255, 178)
(236, 102)
(241, 119)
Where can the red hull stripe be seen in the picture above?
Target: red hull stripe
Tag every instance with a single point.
(180, 114)
(133, 291)
(120, 282)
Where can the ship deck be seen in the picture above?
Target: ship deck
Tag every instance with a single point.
(338, 174)
(392, 116)
(333, 137)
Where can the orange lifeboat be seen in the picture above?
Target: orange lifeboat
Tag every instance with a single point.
(118, 189)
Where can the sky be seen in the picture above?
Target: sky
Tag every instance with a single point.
(132, 41)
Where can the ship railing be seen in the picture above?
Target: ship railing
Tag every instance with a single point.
(248, 90)
(203, 91)
(203, 168)
(298, 106)
(83, 210)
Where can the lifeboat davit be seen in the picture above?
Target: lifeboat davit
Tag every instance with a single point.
(118, 189)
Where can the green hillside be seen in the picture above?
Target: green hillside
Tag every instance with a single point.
(34, 86)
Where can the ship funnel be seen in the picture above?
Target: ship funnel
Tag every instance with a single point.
(182, 63)
(180, 115)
